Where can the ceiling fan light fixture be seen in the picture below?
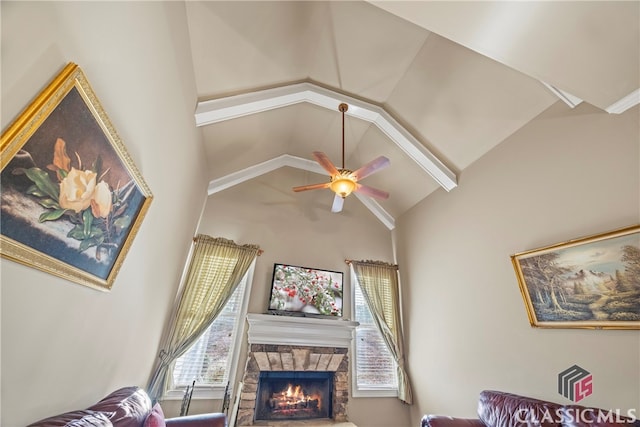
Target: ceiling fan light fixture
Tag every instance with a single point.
(344, 181)
(343, 184)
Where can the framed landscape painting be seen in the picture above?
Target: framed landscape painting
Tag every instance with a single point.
(72, 199)
(592, 282)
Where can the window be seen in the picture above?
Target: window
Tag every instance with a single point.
(212, 359)
(374, 367)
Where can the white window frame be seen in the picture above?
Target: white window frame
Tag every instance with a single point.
(217, 392)
(355, 390)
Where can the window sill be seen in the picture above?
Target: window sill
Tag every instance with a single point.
(202, 393)
(375, 393)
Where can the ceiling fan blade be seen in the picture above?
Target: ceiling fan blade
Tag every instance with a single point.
(373, 166)
(370, 191)
(311, 187)
(324, 161)
(337, 204)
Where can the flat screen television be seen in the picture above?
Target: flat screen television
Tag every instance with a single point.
(305, 291)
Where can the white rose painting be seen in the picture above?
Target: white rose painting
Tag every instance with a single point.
(71, 198)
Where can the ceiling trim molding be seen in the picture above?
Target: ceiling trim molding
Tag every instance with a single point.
(571, 100)
(287, 160)
(231, 107)
(617, 107)
(625, 103)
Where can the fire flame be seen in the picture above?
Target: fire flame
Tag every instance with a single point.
(293, 397)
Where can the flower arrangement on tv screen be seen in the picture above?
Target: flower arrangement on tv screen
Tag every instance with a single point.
(306, 290)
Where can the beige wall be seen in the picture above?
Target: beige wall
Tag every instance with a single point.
(64, 346)
(565, 175)
(308, 235)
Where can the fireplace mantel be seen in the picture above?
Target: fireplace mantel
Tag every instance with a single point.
(302, 331)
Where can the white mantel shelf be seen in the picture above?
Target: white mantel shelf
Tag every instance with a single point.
(302, 331)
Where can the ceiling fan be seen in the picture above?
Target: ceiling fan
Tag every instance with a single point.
(344, 181)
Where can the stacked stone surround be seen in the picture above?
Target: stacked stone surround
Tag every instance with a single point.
(272, 357)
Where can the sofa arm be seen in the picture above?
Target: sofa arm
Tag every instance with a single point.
(445, 421)
(216, 419)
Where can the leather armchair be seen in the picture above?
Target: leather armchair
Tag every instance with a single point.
(500, 409)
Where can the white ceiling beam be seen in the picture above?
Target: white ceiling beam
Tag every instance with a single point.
(231, 107)
(246, 174)
(625, 103)
(287, 160)
(571, 100)
(617, 107)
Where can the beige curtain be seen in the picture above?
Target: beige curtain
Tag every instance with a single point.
(379, 284)
(217, 265)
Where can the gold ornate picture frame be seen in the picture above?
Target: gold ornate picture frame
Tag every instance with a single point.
(72, 199)
(591, 282)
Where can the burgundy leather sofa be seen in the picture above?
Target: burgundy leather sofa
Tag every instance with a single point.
(499, 409)
(128, 407)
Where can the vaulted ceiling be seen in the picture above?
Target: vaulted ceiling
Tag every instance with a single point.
(431, 85)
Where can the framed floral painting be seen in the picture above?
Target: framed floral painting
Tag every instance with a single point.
(592, 282)
(72, 199)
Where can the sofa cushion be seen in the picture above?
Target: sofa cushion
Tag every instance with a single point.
(155, 418)
(580, 416)
(129, 405)
(499, 409)
(96, 419)
(76, 419)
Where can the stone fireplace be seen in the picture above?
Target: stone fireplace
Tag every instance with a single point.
(287, 349)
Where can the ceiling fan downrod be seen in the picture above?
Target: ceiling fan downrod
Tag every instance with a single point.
(343, 108)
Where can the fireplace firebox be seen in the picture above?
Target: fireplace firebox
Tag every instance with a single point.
(294, 395)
